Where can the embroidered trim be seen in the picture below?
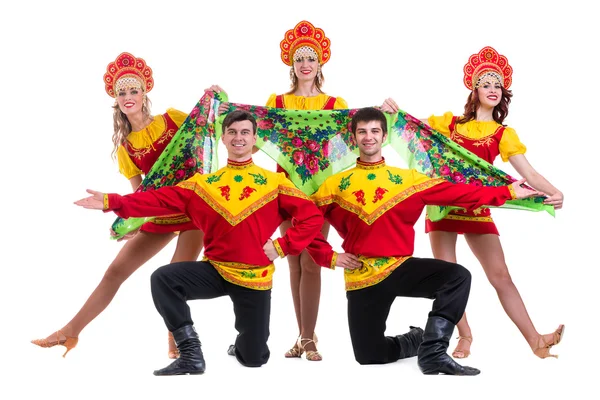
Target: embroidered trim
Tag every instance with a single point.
(105, 201)
(513, 195)
(465, 218)
(382, 209)
(256, 285)
(278, 248)
(233, 220)
(139, 153)
(171, 220)
(485, 140)
(377, 278)
(333, 260)
(368, 165)
(292, 191)
(239, 165)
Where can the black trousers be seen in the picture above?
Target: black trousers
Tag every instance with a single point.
(447, 283)
(174, 284)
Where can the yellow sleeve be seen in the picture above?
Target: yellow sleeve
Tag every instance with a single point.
(340, 104)
(271, 102)
(126, 167)
(177, 116)
(441, 124)
(510, 145)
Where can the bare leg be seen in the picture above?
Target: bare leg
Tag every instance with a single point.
(133, 255)
(294, 263)
(189, 246)
(443, 246)
(310, 295)
(488, 250)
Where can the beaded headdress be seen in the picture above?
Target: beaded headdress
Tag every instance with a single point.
(487, 65)
(127, 72)
(303, 38)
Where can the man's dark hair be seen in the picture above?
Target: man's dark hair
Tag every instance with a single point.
(369, 114)
(237, 116)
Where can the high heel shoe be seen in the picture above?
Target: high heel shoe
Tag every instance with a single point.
(463, 353)
(311, 355)
(70, 342)
(543, 351)
(173, 354)
(294, 352)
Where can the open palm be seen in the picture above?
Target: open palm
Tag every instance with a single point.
(93, 202)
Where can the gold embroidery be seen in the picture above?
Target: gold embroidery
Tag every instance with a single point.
(485, 142)
(468, 218)
(374, 270)
(370, 218)
(229, 217)
(171, 220)
(278, 248)
(139, 153)
(246, 275)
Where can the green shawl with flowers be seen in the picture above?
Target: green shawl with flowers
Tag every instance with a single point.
(312, 145)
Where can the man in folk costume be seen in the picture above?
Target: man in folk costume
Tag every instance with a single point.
(238, 207)
(374, 208)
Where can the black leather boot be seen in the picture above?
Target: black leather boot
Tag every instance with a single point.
(433, 358)
(191, 360)
(410, 342)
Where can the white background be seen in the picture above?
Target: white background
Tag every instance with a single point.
(57, 125)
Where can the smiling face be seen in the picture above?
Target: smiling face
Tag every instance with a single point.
(130, 96)
(369, 137)
(489, 90)
(239, 138)
(306, 64)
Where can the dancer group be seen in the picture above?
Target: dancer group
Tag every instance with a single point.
(234, 212)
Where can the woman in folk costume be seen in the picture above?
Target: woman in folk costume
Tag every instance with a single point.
(139, 138)
(305, 49)
(480, 129)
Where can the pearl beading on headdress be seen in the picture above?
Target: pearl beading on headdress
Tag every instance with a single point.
(128, 82)
(305, 52)
(489, 77)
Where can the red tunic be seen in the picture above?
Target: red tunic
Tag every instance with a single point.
(238, 208)
(479, 220)
(374, 208)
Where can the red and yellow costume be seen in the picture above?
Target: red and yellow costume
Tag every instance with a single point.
(486, 139)
(140, 149)
(238, 207)
(374, 208)
(305, 34)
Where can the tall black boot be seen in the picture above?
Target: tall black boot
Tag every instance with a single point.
(191, 360)
(433, 358)
(410, 342)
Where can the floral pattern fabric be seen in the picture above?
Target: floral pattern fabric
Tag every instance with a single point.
(312, 145)
(192, 150)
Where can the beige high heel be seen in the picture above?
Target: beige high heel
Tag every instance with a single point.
(311, 355)
(543, 351)
(294, 352)
(463, 353)
(70, 342)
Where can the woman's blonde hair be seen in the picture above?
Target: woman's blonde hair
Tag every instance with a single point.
(122, 125)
